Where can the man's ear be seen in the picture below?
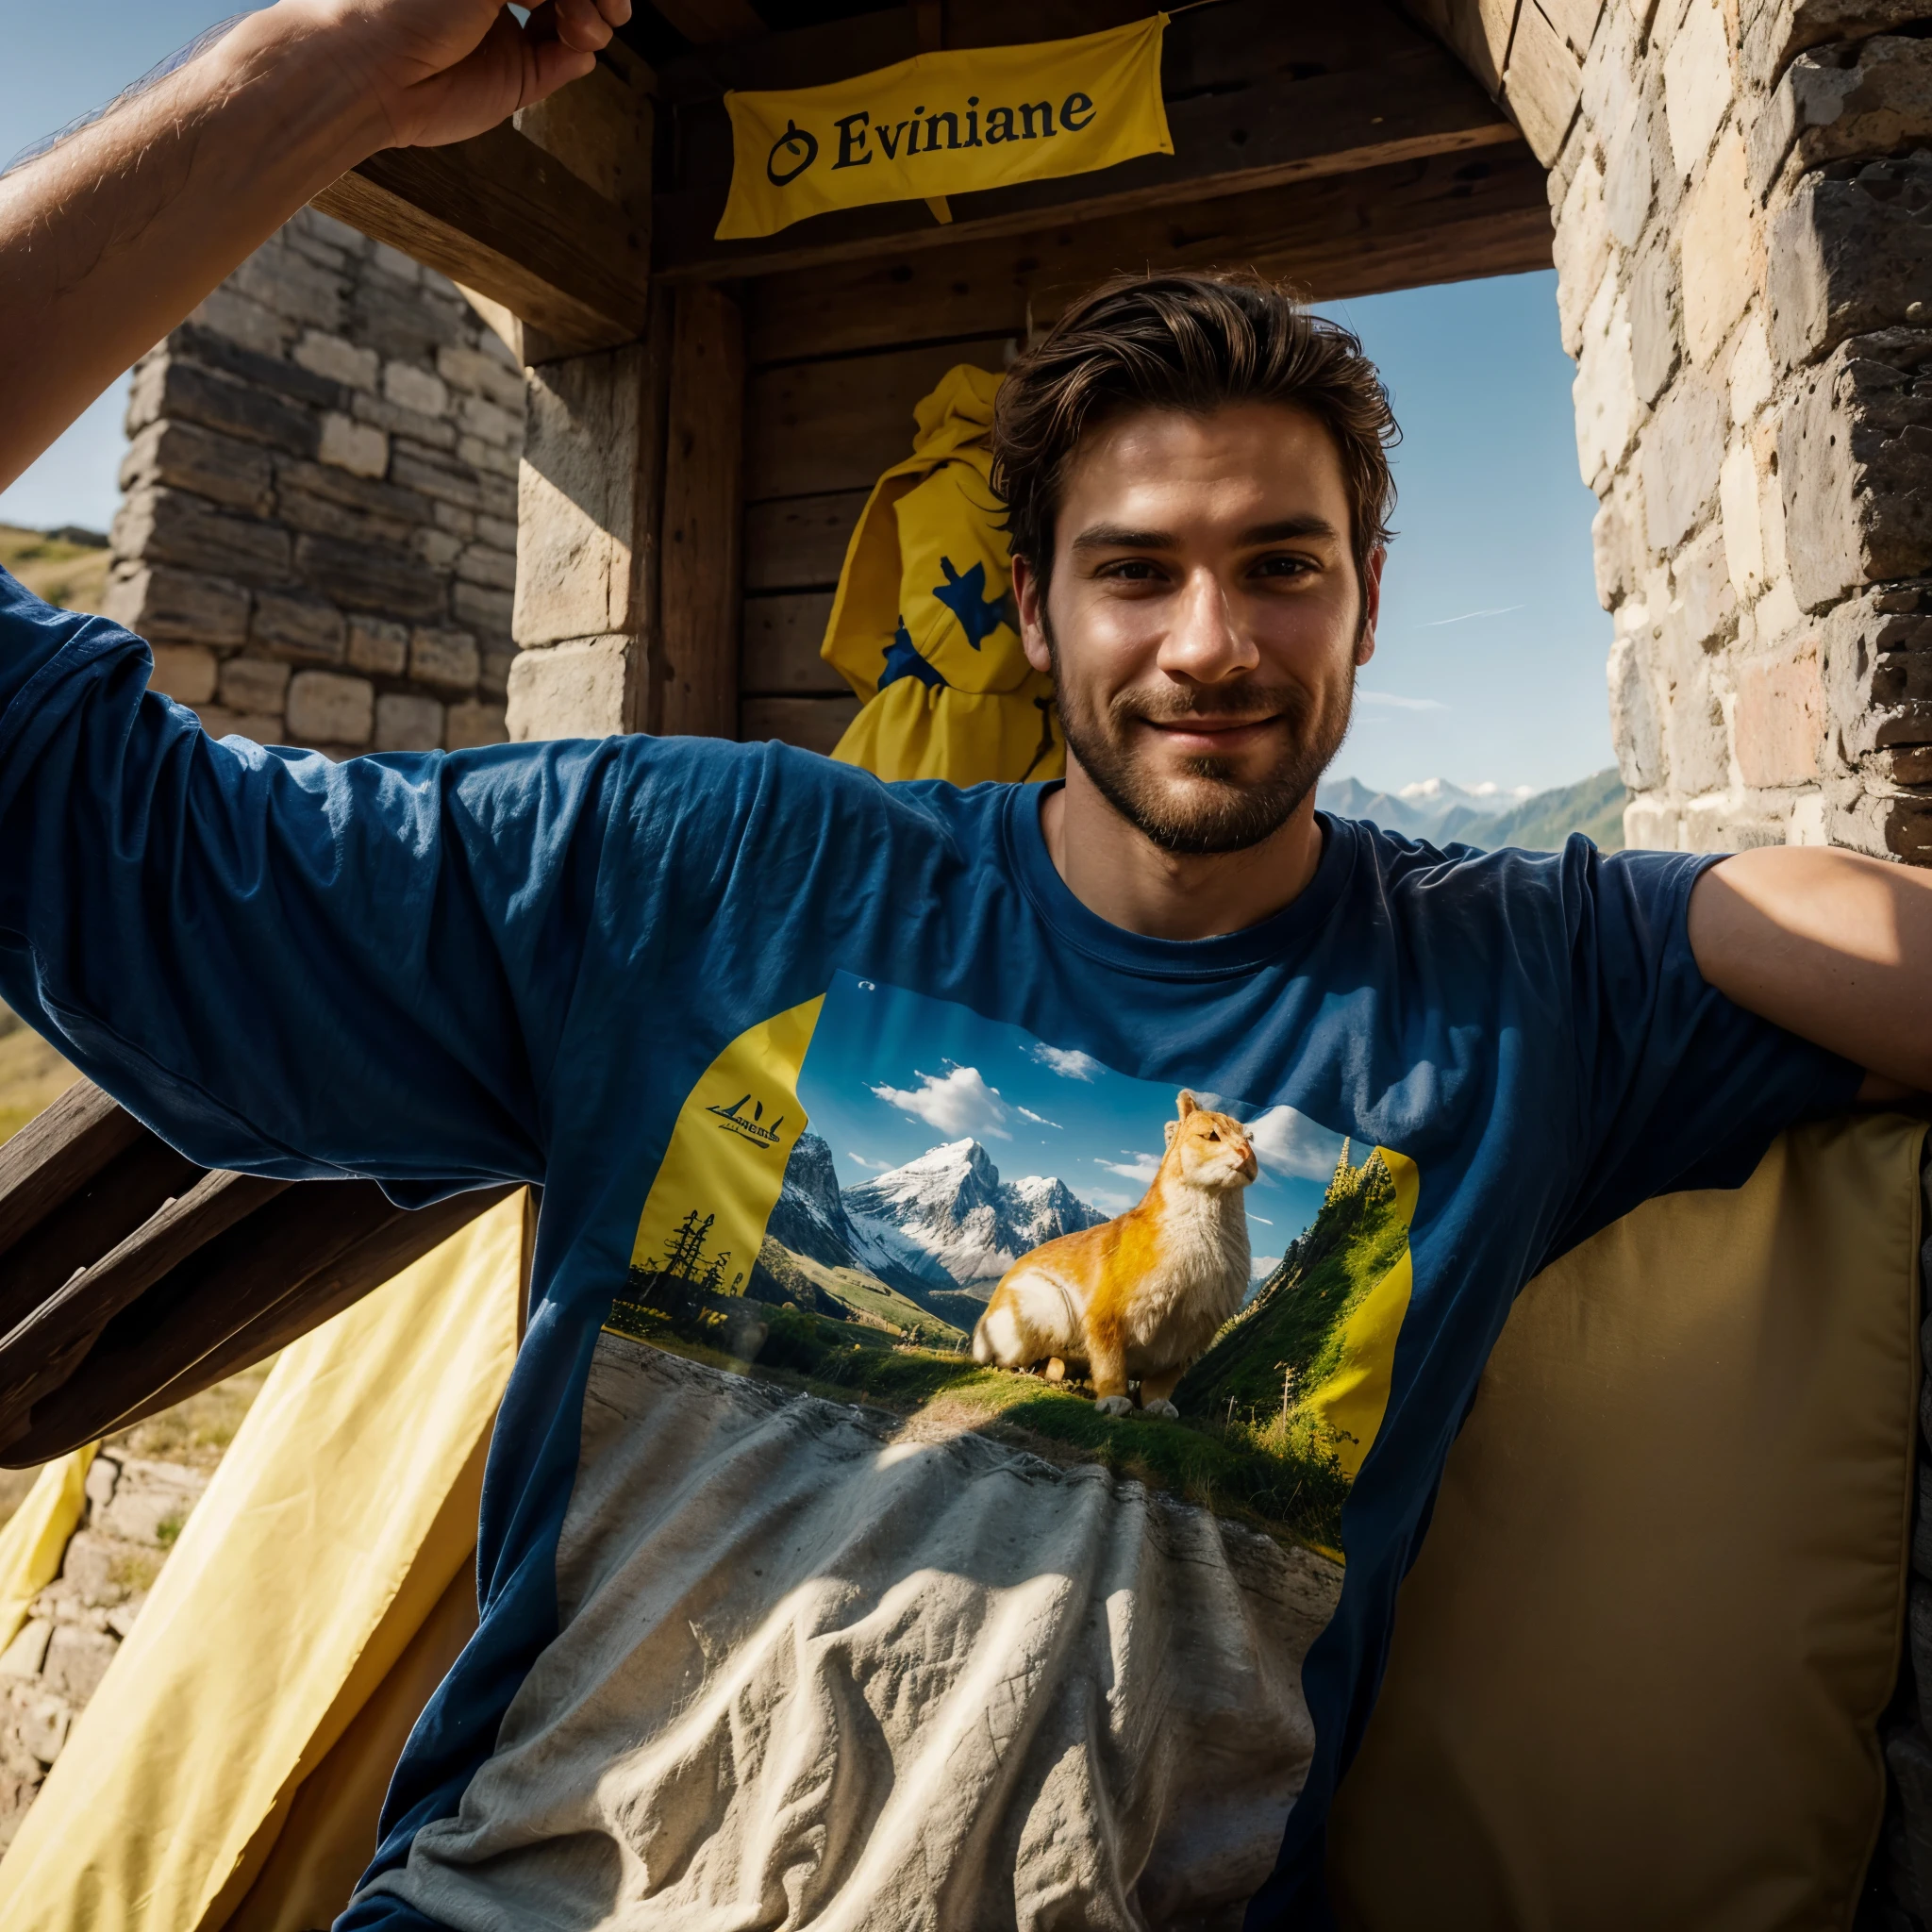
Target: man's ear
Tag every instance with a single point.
(1372, 605)
(1028, 597)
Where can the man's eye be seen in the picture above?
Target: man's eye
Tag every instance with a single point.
(1135, 569)
(1284, 567)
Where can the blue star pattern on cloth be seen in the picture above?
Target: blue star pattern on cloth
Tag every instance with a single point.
(965, 597)
(902, 660)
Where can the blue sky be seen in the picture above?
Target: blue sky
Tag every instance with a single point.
(891, 1074)
(1491, 663)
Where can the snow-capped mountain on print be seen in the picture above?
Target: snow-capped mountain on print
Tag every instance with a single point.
(941, 1230)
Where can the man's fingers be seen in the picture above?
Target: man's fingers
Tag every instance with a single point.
(579, 23)
(556, 65)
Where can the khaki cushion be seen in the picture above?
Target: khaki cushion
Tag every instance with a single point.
(1638, 1667)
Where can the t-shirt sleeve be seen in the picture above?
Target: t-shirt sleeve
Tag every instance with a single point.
(1678, 1085)
(284, 965)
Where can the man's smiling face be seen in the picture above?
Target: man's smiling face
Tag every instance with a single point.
(1205, 619)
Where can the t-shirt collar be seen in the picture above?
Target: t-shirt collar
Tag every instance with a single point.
(1281, 937)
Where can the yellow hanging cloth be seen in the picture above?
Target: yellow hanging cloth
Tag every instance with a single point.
(36, 1536)
(228, 1771)
(922, 625)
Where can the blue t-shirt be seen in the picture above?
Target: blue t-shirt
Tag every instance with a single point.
(806, 1064)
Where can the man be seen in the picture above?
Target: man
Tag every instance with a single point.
(749, 1655)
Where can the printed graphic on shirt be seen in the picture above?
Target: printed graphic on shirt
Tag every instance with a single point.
(888, 1199)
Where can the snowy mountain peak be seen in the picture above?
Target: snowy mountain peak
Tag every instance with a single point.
(949, 1218)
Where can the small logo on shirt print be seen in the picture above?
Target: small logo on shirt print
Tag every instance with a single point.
(752, 1127)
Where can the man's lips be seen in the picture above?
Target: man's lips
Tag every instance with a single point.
(1210, 733)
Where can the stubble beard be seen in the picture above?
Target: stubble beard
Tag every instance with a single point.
(1211, 810)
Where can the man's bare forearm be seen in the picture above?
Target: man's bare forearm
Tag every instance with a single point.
(1835, 947)
(113, 236)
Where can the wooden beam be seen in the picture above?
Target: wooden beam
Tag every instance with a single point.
(799, 544)
(703, 506)
(1447, 219)
(782, 635)
(704, 23)
(1246, 108)
(500, 215)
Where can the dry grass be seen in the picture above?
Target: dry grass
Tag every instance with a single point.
(32, 1074)
(196, 1432)
(71, 576)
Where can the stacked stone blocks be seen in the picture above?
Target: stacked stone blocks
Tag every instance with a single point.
(1744, 211)
(135, 1511)
(318, 529)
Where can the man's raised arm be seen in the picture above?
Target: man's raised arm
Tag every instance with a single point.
(1835, 947)
(111, 237)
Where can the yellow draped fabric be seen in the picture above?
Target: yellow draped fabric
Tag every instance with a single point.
(922, 625)
(229, 1769)
(35, 1539)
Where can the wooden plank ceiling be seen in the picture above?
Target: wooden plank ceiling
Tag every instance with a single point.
(1347, 146)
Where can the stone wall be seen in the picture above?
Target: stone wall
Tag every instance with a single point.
(135, 1511)
(1744, 204)
(318, 529)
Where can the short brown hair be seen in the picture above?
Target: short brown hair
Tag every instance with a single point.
(1192, 342)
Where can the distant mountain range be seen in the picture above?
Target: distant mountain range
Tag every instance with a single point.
(1446, 814)
(942, 1225)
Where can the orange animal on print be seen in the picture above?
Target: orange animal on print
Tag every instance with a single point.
(1139, 1297)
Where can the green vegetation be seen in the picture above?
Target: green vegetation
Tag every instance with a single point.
(782, 1275)
(71, 576)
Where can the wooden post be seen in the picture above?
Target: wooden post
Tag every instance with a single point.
(704, 508)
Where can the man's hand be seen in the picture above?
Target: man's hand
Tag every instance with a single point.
(1832, 946)
(444, 70)
(112, 237)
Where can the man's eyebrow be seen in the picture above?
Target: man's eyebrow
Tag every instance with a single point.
(1118, 537)
(1288, 528)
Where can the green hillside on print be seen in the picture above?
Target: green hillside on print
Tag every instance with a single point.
(1288, 1340)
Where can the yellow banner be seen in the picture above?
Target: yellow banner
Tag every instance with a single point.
(945, 124)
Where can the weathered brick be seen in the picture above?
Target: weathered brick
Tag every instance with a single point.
(226, 312)
(576, 690)
(172, 527)
(339, 359)
(437, 548)
(78, 1659)
(1779, 717)
(1850, 256)
(483, 375)
(1877, 671)
(327, 708)
(308, 630)
(393, 420)
(378, 646)
(399, 323)
(362, 577)
(257, 727)
(1696, 744)
(1628, 173)
(283, 281)
(1855, 462)
(38, 1718)
(1858, 98)
(1604, 397)
(485, 611)
(175, 390)
(444, 481)
(276, 373)
(1698, 82)
(408, 723)
(471, 724)
(1680, 457)
(492, 423)
(1738, 499)
(1635, 732)
(24, 1657)
(445, 660)
(480, 564)
(494, 682)
(1718, 248)
(185, 672)
(359, 447)
(417, 389)
(328, 502)
(247, 684)
(184, 455)
(1654, 300)
(179, 606)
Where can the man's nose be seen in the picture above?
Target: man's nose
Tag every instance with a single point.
(1206, 640)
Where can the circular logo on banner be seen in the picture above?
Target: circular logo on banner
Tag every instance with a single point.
(794, 140)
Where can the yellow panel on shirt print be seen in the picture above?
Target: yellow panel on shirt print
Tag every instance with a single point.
(706, 1213)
